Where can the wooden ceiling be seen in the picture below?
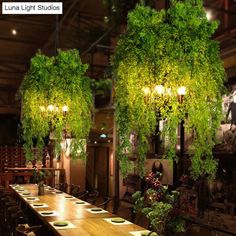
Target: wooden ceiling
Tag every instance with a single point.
(80, 18)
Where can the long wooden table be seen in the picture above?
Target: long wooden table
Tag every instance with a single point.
(85, 222)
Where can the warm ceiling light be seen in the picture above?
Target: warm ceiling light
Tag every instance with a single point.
(159, 89)
(50, 108)
(146, 90)
(14, 31)
(209, 15)
(181, 90)
(65, 108)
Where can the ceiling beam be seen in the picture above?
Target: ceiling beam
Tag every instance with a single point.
(16, 40)
(226, 35)
(12, 83)
(13, 60)
(10, 110)
(15, 68)
(28, 22)
(229, 51)
(220, 9)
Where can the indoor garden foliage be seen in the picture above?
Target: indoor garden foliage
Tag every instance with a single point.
(161, 206)
(56, 99)
(161, 52)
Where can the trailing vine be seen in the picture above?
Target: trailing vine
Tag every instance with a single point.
(160, 52)
(56, 98)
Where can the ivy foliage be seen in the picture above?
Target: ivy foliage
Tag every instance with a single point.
(169, 48)
(50, 87)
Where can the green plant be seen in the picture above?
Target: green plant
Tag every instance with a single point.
(101, 86)
(160, 52)
(160, 206)
(56, 98)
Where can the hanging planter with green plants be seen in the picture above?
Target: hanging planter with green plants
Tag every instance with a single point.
(56, 99)
(163, 54)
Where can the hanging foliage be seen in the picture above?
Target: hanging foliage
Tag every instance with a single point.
(162, 53)
(56, 98)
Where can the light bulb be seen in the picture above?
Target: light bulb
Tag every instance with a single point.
(14, 31)
(181, 90)
(209, 15)
(159, 89)
(65, 108)
(146, 90)
(50, 108)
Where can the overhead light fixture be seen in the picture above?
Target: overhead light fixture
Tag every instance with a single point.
(14, 31)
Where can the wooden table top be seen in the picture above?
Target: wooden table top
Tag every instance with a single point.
(33, 168)
(99, 226)
(86, 223)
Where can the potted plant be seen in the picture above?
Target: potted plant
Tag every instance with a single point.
(160, 206)
(38, 164)
(29, 164)
(39, 177)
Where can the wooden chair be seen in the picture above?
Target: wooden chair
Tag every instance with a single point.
(25, 230)
(75, 190)
(6, 179)
(92, 196)
(105, 203)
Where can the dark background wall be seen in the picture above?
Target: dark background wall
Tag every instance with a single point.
(8, 129)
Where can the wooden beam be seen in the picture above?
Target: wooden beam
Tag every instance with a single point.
(229, 51)
(12, 83)
(29, 22)
(16, 40)
(9, 110)
(14, 60)
(227, 34)
(8, 67)
(220, 9)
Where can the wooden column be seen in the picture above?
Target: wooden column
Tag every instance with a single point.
(116, 172)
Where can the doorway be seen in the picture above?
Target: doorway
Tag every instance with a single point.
(97, 170)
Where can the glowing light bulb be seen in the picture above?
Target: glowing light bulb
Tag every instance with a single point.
(65, 108)
(146, 90)
(50, 108)
(14, 31)
(181, 90)
(159, 89)
(209, 15)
